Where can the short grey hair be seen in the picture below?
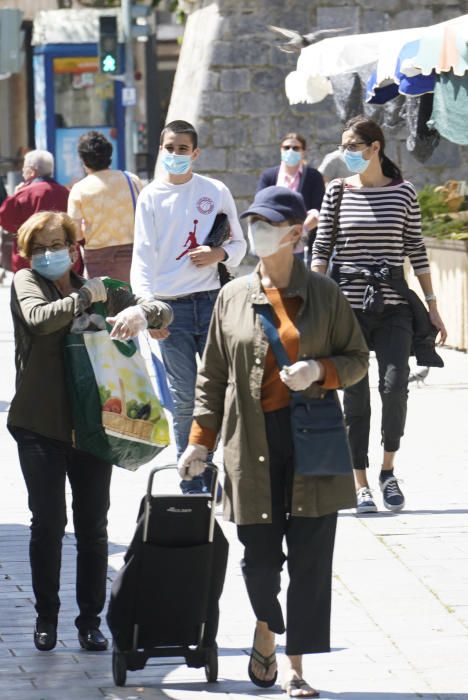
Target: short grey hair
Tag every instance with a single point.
(41, 161)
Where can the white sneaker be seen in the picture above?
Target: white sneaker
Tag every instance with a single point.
(365, 502)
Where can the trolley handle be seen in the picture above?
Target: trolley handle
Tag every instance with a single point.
(164, 467)
(149, 490)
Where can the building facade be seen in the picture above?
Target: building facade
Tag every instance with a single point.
(230, 84)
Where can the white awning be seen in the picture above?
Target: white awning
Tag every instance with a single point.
(441, 47)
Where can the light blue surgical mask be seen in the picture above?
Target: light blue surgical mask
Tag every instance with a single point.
(355, 162)
(52, 264)
(290, 157)
(176, 164)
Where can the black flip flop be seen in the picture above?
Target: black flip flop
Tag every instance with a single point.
(266, 662)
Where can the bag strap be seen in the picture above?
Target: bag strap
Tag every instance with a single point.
(266, 318)
(132, 187)
(282, 360)
(336, 215)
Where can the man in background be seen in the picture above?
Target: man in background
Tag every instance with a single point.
(174, 215)
(333, 166)
(38, 192)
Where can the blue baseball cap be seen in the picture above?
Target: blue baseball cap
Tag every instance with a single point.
(277, 204)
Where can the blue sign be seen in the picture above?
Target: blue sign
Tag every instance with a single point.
(68, 167)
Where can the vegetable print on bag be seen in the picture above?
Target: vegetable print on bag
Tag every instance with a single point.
(130, 408)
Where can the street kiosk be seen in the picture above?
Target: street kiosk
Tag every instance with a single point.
(71, 93)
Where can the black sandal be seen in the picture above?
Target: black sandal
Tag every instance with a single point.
(266, 662)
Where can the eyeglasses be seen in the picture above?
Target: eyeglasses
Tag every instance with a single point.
(351, 146)
(291, 148)
(41, 249)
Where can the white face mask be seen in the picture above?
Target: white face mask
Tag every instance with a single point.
(265, 239)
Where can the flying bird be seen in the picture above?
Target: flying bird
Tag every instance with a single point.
(418, 376)
(299, 41)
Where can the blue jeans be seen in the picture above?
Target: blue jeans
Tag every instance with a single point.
(187, 339)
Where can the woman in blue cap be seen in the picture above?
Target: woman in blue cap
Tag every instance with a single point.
(244, 398)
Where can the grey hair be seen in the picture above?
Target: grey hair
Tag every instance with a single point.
(41, 161)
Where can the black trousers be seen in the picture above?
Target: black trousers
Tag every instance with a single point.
(390, 334)
(310, 544)
(45, 464)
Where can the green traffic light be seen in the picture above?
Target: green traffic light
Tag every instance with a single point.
(109, 64)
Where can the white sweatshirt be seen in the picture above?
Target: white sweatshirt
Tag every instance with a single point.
(172, 219)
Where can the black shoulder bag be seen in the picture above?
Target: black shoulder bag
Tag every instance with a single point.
(319, 434)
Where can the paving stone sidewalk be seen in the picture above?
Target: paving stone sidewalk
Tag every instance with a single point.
(400, 606)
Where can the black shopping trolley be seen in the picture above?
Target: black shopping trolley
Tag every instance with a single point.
(164, 601)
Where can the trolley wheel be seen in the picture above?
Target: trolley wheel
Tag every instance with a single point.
(119, 668)
(211, 665)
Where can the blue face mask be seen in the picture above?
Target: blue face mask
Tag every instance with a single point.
(291, 157)
(176, 164)
(355, 162)
(52, 264)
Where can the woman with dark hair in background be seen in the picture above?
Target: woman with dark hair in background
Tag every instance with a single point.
(296, 175)
(378, 223)
(103, 206)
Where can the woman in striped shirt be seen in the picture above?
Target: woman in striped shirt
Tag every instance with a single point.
(374, 219)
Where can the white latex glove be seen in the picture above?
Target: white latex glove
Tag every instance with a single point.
(94, 290)
(300, 375)
(128, 323)
(192, 461)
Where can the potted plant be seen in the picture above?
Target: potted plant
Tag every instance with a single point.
(444, 214)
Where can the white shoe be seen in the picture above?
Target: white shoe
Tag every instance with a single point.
(365, 502)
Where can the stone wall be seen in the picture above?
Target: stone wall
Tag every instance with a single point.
(230, 84)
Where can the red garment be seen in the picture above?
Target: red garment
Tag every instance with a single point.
(41, 194)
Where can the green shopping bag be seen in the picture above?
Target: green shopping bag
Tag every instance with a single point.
(117, 415)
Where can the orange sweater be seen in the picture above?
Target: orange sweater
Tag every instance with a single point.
(275, 394)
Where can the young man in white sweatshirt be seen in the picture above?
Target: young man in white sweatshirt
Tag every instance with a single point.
(173, 217)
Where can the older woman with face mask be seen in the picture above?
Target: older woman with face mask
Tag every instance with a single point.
(244, 397)
(44, 302)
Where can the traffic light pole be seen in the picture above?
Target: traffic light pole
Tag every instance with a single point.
(126, 8)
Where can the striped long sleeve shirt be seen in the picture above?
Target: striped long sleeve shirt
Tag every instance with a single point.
(376, 226)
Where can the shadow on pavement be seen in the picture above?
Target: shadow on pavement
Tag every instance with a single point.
(389, 514)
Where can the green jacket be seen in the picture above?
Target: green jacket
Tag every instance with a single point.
(41, 319)
(229, 389)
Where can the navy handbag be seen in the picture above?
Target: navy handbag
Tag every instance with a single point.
(320, 440)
